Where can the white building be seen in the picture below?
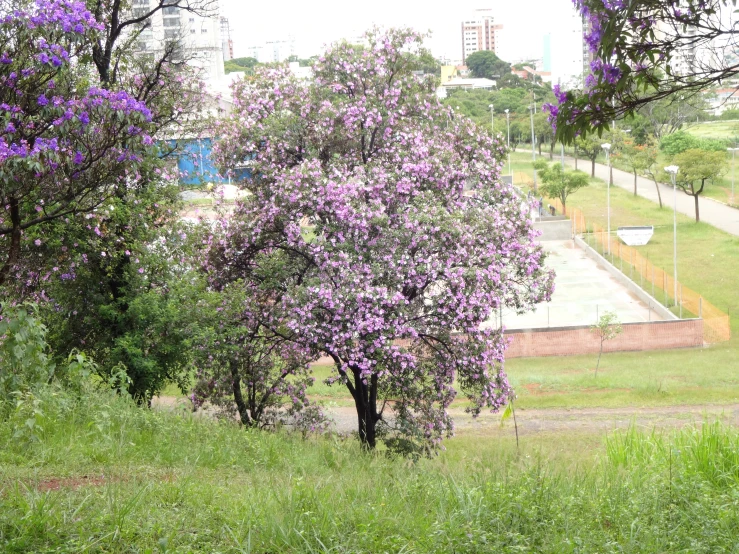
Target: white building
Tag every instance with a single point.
(480, 33)
(273, 50)
(567, 54)
(199, 37)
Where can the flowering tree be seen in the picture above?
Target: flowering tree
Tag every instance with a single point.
(360, 241)
(645, 51)
(244, 368)
(64, 148)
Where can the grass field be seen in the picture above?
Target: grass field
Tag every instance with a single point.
(714, 129)
(107, 477)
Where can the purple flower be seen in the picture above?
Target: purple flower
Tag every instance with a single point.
(42, 100)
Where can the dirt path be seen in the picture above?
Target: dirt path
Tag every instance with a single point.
(548, 420)
(583, 419)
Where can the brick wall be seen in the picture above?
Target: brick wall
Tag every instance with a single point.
(569, 341)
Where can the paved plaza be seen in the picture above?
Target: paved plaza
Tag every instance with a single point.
(583, 292)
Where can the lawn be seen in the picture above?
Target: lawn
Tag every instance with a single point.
(714, 129)
(107, 477)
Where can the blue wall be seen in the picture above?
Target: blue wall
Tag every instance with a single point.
(195, 162)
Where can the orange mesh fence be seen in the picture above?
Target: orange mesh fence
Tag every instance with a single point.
(683, 301)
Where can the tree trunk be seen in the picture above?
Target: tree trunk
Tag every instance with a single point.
(610, 176)
(575, 157)
(238, 397)
(540, 148)
(592, 167)
(635, 182)
(15, 240)
(697, 211)
(597, 365)
(659, 193)
(365, 401)
(551, 151)
(367, 431)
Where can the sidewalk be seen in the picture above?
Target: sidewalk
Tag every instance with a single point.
(719, 215)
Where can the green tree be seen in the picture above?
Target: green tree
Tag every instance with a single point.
(637, 158)
(676, 143)
(607, 328)
(559, 183)
(696, 167)
(485, 64)
(544, 132)
(590, 146)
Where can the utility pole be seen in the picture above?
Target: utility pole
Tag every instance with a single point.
(672, 170)
(508, 143)
(607, 148)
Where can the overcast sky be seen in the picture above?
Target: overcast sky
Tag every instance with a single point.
(318, 22)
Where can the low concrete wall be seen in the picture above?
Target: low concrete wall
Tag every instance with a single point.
(554, 229)
(640, 293)
(570, 341)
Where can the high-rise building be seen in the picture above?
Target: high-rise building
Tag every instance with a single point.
(546, 60)
(565, 52)
(199, 37)
(480, 33)
(226, 42)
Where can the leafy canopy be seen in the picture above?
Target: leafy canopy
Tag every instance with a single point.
(358, 239)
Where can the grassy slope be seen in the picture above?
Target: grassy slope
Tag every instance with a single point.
(110, 477)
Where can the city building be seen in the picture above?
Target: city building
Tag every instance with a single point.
(480, 33)
(199, 37)
(564, 55)
(547, 56)
(226, 43)
(273, 50)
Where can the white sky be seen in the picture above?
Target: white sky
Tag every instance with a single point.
(314, 23)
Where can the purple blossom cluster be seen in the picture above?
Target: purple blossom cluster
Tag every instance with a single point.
(378, 222)
(58, 141)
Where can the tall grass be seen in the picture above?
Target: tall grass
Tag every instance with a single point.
(106, 476)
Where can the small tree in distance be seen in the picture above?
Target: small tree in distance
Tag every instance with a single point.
(591, 148)
(696, 167)
(607, 328)
(558, 182)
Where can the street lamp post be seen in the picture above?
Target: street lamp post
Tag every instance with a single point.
(533, 139)
(607, 148)
(672, 170)
(508, 143)
(492, 118)
(733, 157)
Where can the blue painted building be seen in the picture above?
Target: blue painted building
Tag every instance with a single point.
(196, 167)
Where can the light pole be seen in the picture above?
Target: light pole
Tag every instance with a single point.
(492, 118)
(672, 170)
(607, 148)
(533, 139)
(733, 157)
(508, 143)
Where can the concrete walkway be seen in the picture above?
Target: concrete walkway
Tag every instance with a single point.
(719, 215)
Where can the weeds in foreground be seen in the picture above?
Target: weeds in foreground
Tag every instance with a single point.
(106, 476)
